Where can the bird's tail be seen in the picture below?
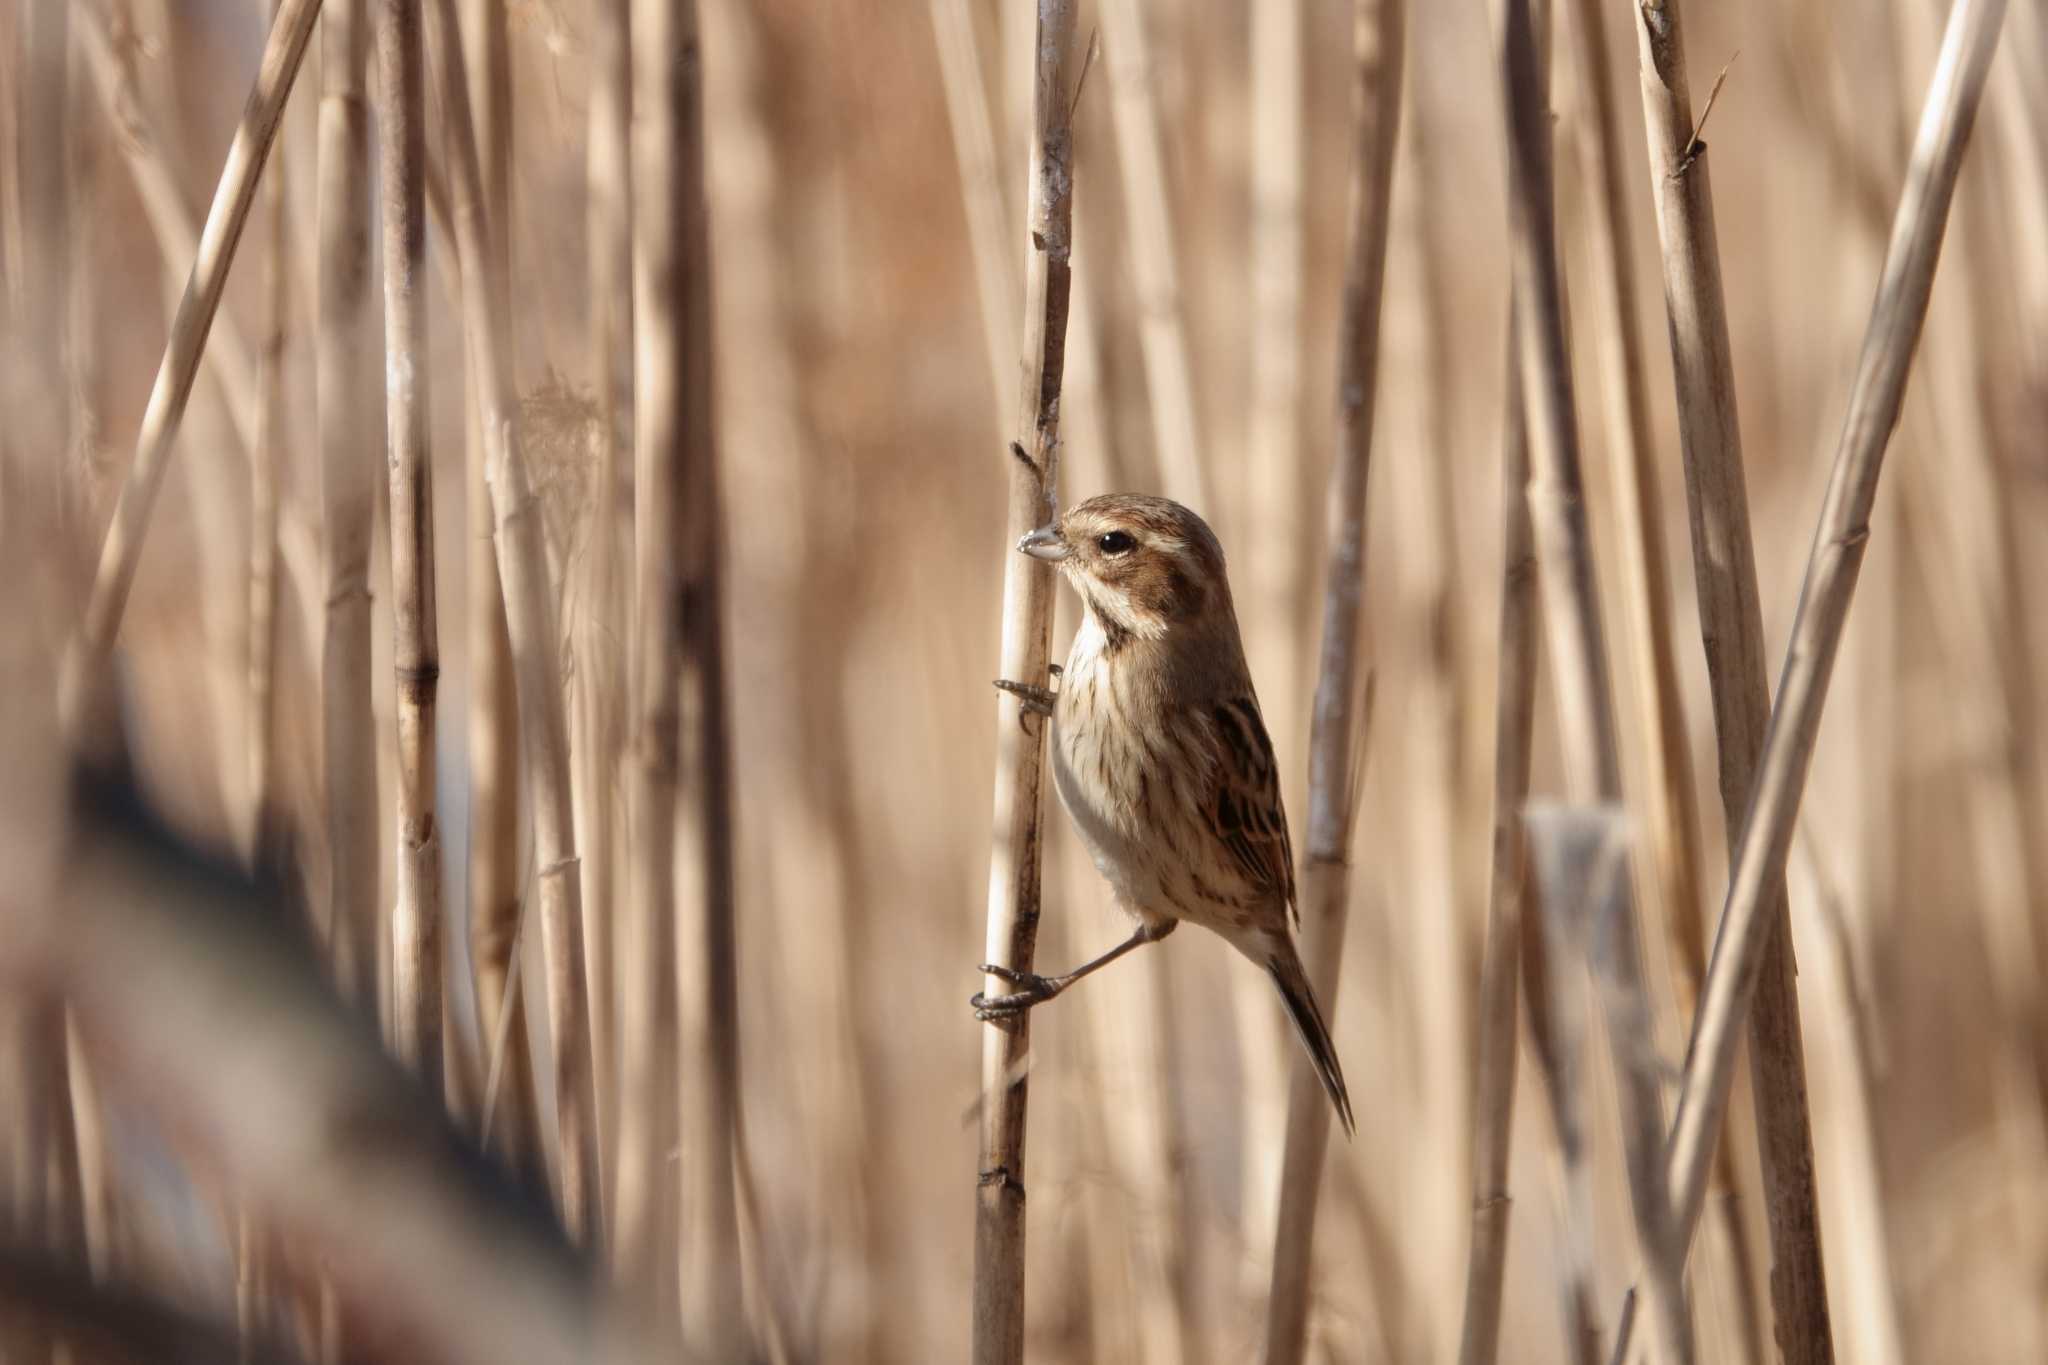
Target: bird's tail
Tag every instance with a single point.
(1283, 963)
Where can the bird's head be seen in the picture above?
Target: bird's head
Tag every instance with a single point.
(1143, 565)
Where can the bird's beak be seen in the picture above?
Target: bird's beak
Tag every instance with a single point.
(1045, 543)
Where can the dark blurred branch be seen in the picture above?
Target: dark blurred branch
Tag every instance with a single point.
(111, 1325)
(196, 998)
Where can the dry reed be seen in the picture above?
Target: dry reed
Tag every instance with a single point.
(530, 622)
(1379, 31)
(1500, 966)
(1014, 866)
(415, 1027)
(495, 877)
(1572, 616)
(1829, 586)
(1731, 625)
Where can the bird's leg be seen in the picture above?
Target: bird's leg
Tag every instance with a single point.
(1037, 701)
(1034, 989)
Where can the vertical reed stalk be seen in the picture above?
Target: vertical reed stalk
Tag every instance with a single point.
(1379, 36)
(1014, 870)
(1572, 614)
(1829, 587)
(349, 400)
(1731, 625)
(1669, 794)
(495, 876)
(1493, 1109)
(530, 620)
(674, 228)
(1830, 581)
(416, 652)
(269, 417)
(648, 1185)
(599, 673)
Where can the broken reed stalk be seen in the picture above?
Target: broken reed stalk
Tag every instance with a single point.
(347, 357)
(685, 654)
(1669, 796)
(85, 676)
(599, 675)
(495, 876)
(1014, 864)
(1731, 628)
(415, 1029)
(1572, 611)
(647, 1207)
(530, 620)
(1379, 35)
(1148, 214)
(1493, 1109)
(1829, 587)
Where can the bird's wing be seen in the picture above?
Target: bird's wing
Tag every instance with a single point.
(1242, 804)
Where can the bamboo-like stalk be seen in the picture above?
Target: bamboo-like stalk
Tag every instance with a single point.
(1493, 1109)
(1828, 589)
(349, 397)
(122, 548)
(416, 653)
(495, 875)
(1731, 625)
(1379, 36)
(1572, 614)
(600, 672)
(1148, 213)
(530, 620)
(1014, 871)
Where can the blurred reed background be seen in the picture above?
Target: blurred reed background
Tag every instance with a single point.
(723, 705)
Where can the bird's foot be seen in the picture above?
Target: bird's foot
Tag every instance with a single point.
(1036, 700)
(1033, 989)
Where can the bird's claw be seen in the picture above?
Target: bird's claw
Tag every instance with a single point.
(1036, 701)
(1033, 989)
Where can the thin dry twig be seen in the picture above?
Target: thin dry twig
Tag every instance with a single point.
(1014, 866)
(1379, 35)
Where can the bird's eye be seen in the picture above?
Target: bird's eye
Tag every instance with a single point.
(1115, 542)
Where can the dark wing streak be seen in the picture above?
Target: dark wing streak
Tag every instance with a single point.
(1242, 804)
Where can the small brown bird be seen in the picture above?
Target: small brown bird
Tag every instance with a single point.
(1161, 756)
